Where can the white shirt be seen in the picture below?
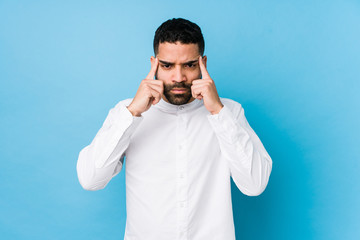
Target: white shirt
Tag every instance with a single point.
(179, 160)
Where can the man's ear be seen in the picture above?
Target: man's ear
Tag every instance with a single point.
(204, 58)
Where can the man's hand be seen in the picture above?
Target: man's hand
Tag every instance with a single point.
(205, 89)
(149, 92)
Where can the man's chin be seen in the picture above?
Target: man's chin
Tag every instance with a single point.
(178, 99)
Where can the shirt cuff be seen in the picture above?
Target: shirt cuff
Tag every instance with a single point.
(225, 125)
(124, 125)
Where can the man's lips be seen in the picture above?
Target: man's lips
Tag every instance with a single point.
(179, 90)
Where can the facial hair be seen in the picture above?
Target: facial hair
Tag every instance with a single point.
(178, 99)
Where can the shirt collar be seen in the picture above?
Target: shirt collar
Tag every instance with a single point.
(178, 109)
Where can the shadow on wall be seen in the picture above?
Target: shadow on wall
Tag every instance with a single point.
(284, 206)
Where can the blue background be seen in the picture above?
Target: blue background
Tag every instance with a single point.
(294, 66)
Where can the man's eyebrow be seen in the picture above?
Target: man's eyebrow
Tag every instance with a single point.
(165, 62)
(191, 62)
(186, 63)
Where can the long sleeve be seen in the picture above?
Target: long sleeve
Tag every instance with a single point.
(103, 158)
(250, 164)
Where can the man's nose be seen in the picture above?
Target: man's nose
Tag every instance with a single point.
(179, 75)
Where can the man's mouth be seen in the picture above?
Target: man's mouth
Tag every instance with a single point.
(179, 90)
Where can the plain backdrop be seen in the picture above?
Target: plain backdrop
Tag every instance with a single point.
(293, 65)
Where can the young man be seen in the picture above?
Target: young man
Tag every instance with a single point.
(182, 144)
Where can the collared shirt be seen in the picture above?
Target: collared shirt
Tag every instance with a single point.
(179, 164)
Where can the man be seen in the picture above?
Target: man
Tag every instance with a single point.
(182, 144)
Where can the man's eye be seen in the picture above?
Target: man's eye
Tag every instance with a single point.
(166, 66)
(190, 65)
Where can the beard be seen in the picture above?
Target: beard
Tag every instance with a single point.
(177, 99)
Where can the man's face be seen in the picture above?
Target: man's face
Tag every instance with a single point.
(178, 67)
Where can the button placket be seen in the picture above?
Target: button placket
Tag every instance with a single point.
(181, 168)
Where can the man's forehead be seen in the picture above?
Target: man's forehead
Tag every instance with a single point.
(178, 52)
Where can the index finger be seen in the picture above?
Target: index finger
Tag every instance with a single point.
(153, 69)
(204, 72)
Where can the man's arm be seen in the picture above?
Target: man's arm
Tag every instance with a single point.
(103, 158)
(250, 164)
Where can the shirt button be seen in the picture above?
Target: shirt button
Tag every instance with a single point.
(181, 107)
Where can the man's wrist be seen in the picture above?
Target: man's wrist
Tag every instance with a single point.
(218, 109)
(133, 112)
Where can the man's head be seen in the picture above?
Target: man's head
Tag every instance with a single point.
(178, 44)
(179, 30)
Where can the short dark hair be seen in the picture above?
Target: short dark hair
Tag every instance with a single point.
(179, 29)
